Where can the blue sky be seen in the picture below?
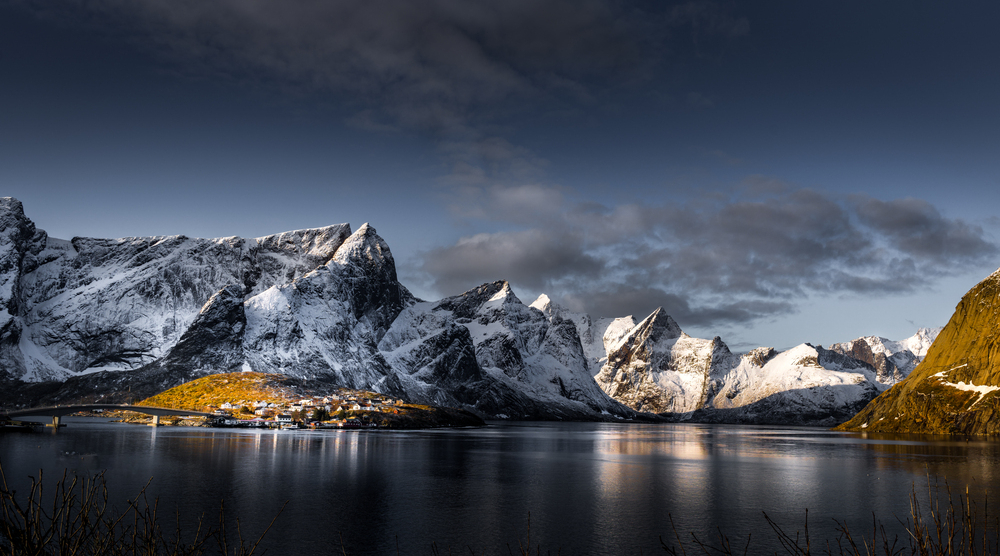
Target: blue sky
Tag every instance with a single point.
(770, 172)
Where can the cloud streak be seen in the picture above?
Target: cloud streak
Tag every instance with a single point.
(736, 259)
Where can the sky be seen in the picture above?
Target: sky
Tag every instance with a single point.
(769, 172)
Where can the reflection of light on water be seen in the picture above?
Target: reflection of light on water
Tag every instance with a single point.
(707, 467)
(678, 443)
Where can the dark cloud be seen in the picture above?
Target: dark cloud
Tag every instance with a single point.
(427, 64)
(621, 300)
(915, 227)
(535, 259)
(721, 260)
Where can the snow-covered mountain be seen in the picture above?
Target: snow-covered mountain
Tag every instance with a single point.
(653, 366)
(596, 336)
(88, 305)
(139, 315)
(658, 368)
(893, 360)
(806, 384)
(518, 349)
(323, 325)
(134, 316)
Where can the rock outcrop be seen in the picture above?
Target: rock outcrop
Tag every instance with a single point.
(893, 361)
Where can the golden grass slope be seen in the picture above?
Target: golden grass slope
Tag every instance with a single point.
(956, 389)
(214, 390)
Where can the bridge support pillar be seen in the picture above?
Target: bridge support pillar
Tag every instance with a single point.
(55, 422)
(156, 421)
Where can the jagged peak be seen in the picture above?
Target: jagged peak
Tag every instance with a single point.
(505, 294)
(657, 327)
(719, 345)
(13, 220)
(543, 304)
(490, 291)
(664, 325)
(321, 242)
(466, 304)
(10, 204)
(364, 246)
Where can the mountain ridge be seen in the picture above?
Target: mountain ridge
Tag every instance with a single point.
(95, 317)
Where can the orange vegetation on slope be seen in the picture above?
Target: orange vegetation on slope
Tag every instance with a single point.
(235, 388)
(956, 389)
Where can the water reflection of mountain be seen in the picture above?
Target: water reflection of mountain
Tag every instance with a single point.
(591, 488)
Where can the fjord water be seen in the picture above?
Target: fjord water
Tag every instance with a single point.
(590, 488)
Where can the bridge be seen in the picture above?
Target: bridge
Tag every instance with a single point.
(59, 411)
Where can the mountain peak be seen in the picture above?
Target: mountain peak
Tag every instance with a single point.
(10, 204)
(469, 303)
(543, 304)
(364, 247)
(662, 326)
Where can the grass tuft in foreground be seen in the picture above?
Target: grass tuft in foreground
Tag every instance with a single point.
(76, 519)
(936, 530)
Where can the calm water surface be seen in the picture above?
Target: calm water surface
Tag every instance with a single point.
(589, 488)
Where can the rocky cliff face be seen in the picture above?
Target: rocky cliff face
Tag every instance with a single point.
(892, 360)
(528, 365)
(310, 304)
(596, 335)
(954, 389)
(89, 305)
(20, 245)
(658, 368)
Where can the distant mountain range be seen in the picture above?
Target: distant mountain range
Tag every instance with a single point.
(130, 317)
(653, 366)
